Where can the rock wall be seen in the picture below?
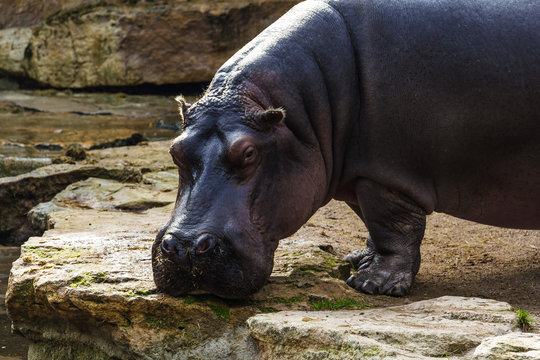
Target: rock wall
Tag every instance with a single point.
(89, 43)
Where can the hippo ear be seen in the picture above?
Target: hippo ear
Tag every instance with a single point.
(183, 106)
(266, 120)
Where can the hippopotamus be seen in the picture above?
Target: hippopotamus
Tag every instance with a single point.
(397, 107)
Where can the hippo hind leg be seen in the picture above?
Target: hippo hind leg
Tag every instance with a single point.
(396, 226)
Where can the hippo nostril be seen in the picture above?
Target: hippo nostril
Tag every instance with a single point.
(204, 244)
(173, 250)
(167, 244)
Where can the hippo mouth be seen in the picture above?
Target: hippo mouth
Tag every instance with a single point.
(206, 265)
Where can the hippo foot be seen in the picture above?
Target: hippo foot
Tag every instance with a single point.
(379, 274)
(360, 259)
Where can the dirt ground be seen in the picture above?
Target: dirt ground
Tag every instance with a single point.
(459, 257)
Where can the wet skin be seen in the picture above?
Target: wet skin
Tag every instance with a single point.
(397, 108)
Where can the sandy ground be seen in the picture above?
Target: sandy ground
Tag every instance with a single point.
(459, 257)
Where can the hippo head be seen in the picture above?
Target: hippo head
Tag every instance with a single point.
(246, 181)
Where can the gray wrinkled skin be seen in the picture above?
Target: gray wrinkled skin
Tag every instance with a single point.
(399, 108)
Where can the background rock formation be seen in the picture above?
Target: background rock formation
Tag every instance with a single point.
(90, 43)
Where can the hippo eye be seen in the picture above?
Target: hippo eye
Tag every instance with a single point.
(250, 155)
(243, 153)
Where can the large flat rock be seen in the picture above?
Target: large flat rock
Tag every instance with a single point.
(512, 346)
(446, 326)
(85, 289)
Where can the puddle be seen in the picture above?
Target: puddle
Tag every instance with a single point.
(40, 124)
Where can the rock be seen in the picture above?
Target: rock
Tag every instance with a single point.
(163, 180)
(513, 346)
(64, 102)
(18, 195)
(119, 43)
(39, 216)
(76, 152)
(13, 166)
(100, 194)
(85, 289)
(134, 139)
(53, 103)
(13, 43)
(49, 147)
(426, 329)
(30, 12)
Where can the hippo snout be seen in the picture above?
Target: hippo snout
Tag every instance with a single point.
(184, 252)
(205, 263)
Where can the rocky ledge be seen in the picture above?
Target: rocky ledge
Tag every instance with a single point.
(19, 194)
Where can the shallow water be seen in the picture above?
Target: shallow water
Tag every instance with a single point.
(52, 120)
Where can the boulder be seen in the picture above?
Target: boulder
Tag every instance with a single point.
(85, 290)
(512, 346)
(119, 43)
(13, 43)
(13, 165)
(20, 13)
(19, 194)
(442, 327)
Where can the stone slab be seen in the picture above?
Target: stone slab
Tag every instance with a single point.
(512, 346)
(442, 327)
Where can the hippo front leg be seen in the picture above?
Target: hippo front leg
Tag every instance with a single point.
(392, 257)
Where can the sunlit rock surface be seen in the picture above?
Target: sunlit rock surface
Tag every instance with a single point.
(85, 289)
(86, 43)
(513, 346)
(12, 166)
(19, 194)
(443, 327)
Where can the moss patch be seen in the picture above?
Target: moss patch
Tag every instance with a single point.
(87, 279)
(337, 304)
(220, 311)
(140, 292)
(24, 292)
(288, 302)
(49, 253)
